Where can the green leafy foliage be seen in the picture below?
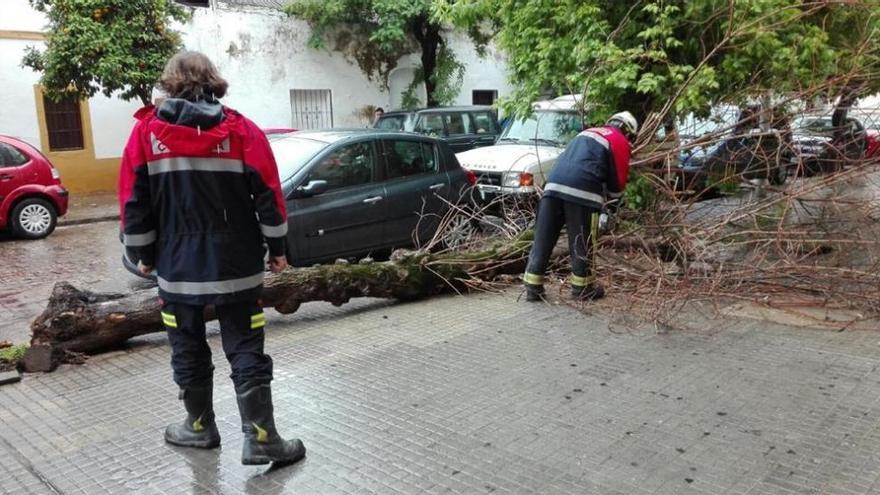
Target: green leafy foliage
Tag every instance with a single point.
(375, 34)
(677, 55)
(640, 193)
(13, 354)
(105, 45)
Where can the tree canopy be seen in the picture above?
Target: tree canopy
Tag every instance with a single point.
(377, 33)
(105, 45)
(676, 55)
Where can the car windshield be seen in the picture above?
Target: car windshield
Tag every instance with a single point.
(392, 123)
(722, 120)
(547, 127)
(292, 153)
(813, 124)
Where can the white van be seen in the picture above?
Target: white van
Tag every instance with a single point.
(526, 151)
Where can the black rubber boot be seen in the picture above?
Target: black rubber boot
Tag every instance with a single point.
(262, 443)
(199, 429)
(588, 293)
(534, 293)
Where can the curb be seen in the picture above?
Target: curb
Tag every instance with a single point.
(83, 221)
(8, 377)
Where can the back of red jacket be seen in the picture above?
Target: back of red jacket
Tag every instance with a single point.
(199, 195)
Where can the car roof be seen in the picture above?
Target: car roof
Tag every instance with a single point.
(560, 103)
(465, 108)
(330, 136)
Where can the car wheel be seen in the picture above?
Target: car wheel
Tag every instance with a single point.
(33, 218)
(460, 231)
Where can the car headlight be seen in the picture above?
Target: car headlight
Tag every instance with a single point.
(518, 179)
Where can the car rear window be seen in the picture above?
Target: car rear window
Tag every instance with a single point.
(431, 124)
(458, 124)
(10, 156)
(407, 158)
(392, 122)
(484, 123)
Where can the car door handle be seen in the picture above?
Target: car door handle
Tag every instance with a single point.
(6, 177)
(374, 199)
(436, 187)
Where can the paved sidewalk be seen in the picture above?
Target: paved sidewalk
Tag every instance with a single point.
(476, 395)
(91, 207)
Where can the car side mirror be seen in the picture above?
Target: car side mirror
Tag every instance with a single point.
(312, 188)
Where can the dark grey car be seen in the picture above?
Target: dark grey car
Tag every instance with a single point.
(464, 128)
(357, 192)
(353, 192)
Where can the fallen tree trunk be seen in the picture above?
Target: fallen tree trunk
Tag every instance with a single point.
(78, 322)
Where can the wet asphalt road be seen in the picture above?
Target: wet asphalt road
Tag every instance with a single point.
(87, 256)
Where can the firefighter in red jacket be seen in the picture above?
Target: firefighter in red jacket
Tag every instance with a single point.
(199, 196)
(594, 165)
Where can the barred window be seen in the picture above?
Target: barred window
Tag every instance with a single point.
(64, 124)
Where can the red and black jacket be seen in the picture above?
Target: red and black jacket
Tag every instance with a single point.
(199, 195)
(594, 165)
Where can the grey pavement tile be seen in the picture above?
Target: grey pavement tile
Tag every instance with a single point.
(476, 395)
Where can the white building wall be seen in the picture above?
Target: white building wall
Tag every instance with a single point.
(481, 73)
(18, 112)
(262, 53)
(19, 16)
(112, 120)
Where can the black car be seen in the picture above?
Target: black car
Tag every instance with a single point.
(464, 128)
(352, 192)
(819, 147)
(356, 192)
(744, 151)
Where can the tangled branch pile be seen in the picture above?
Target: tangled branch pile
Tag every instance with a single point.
(815, 242)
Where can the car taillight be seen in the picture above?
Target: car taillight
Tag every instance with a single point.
(470, 176)
(526, 179)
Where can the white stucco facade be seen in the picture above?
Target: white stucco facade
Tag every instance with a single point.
(19, 115)
(262, 53)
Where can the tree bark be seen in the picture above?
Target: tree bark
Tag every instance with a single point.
(78, 322)
(428, 36)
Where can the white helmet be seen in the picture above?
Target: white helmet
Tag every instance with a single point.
(625, 121)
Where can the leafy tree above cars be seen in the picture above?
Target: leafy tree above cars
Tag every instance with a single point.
(677, 56)
(106, 46)
(377, 33)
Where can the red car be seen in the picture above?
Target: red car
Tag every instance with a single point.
(31, 195)
(872, 147)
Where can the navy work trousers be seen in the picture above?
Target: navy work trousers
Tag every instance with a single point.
(553, 214)
(242, 330)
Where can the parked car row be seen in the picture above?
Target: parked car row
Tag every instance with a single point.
(734, 145)
(463, 128)
(355, 192)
